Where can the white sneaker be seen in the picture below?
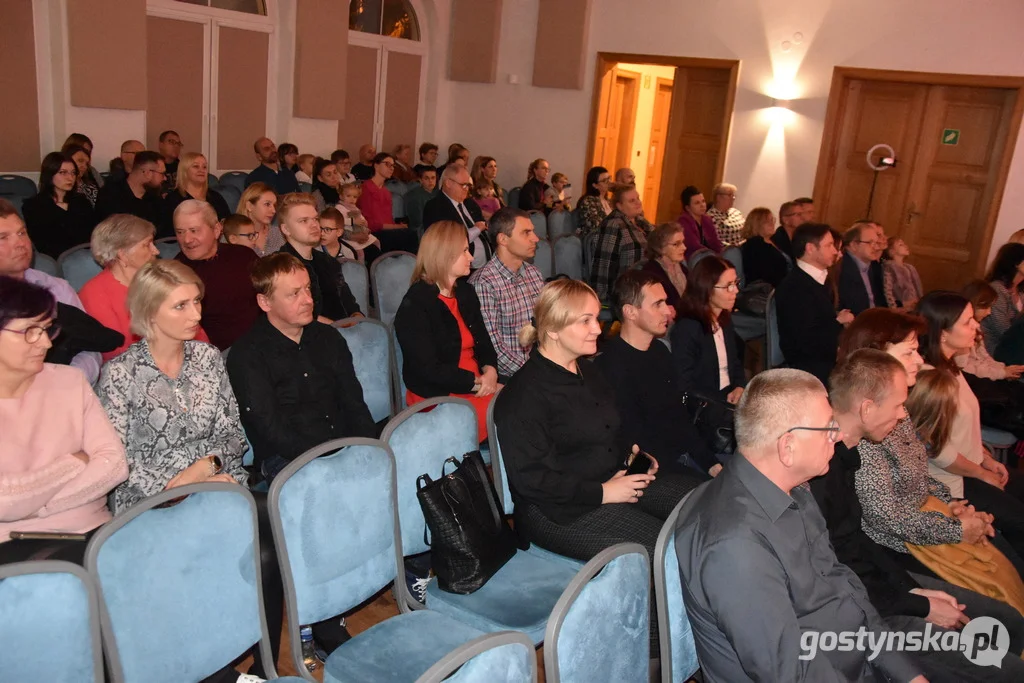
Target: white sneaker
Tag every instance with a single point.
(249, 678)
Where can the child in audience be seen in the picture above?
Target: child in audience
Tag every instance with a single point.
(343, 161)
(305, 172)
(902, 284)
(239, 229)
(486, 200)
(332, 225)
(357, 231)
(556, 196)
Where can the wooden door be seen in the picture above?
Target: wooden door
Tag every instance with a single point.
(401, 99)
(176, 59)
(242, 67)
(627, 86)
(659, 133)
(697, 129)
(616, 117)
(357, 128)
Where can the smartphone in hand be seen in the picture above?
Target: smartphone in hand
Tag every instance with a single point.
(637, 463)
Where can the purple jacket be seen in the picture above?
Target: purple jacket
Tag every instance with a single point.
(692, 235)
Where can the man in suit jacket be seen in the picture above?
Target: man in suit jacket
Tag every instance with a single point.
(454, 204)
(808, 324)
(790, 218)
(859, 274)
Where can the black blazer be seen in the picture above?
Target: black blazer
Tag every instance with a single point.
(696, 359)
(431, 343)
(673, 299)
(54, 230)
(808, 329)
(852, 294)
(764, 262)
(440, 208)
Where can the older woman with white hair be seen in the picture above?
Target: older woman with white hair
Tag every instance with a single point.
(121, 244)
(168, 396)
(727, 218)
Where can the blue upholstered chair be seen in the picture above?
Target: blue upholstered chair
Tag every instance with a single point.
(600, 628)
(77, 265)
(998, 441)
(697, 256)
(569, 256)
(561, 224)
(305, 187)
(678, 650)
(544, 260)
(506, 657)
(520, 595)
(357, 276)
(178, 578)
(334, 516)
(212, 180)
(370, 343)
(396, 369)
(390, 275)
(168, 247)
(235, 179)
(45, 264)
(773, 353)
(513, 197)
(540, 224)
(49, 624)
(589, 247)
(16, 186)
(734, 255)
(397, 206)
(231, 194)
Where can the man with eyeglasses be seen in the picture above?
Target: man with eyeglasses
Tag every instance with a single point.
(169, 145)
(868, 390)
(454, 204)
(859, 274)
(754, 558)
(122, 166)
(270, 170)
(139, 194)
(790, 218)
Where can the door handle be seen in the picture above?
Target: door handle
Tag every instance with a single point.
(911, 213)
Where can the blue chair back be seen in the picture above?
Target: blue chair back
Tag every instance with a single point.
(697, 256)
(599, 628)
(561, 224)
(397, 187)
(168, 247)
(332, 512)
(49, 623)
(16, 186)
(397, 206)
(235, 179)
(396, 369)
(540, 224)
(678, 649)
(773, 353)
(544, 260)
(179, 584)
(390, 275)
(497, 462)
(569, 257)
(305, 187)
(77, 265)
(46, 264)
(589, 247)
(357, 275)
(513, 197)
(370, 344)
(421, 438)
(232, 195)
(503, 657)
(734, 255)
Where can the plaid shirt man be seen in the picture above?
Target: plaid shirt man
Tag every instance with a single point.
(506, 302)
(620, 246)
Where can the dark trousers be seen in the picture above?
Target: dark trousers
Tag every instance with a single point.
(25, 550)
(1007, 506)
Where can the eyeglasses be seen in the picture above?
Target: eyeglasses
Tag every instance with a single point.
(832, 429)
(464, 186)
(323, 229)
(251, 236)
(33, 333)
(174, 143)
(389, 164)
(66, 172)
(732, 286)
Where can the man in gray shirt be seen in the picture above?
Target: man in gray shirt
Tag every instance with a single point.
(756, 563)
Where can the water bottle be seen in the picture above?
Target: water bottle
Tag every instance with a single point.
(308, 649)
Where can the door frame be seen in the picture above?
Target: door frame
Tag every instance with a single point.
(627, 118)
(836, 111)
(607, 59)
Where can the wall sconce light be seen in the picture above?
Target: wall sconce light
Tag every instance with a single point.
(782, 104)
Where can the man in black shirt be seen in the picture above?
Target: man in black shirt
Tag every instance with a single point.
(139, 194)
(300, 225)
(640, 372)
(292, 375)
(170, 149)
(868, 391)
(791, 217)
(363, 171)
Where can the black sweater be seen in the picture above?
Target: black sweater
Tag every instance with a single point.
(54, 230)
(431, 342)
(764, 262)
(332, 297)
(808, 329)
(559, 434)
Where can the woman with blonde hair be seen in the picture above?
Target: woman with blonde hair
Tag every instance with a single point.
(193, 182)
(445, 346)
(259, 204)
(168, 396)
(763, 261)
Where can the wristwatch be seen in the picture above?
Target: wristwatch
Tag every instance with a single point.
(216, 464)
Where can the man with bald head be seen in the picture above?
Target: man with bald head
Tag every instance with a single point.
(625, 176)
(453, 203)
(363, 171)
(270, 170)
(122, 166)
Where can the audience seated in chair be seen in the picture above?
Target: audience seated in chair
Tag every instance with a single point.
(229, 307)
(58, 218)
(763, 259)
(453, 203)
(270, 170)
(666, 261)
(364, 170)
(446, 350)
(416, 199)
(343, 161)
(258, 203)
(240, 230)
(859, 274)
(428, 158)
(85, 185)
(300, 224)
(727, 218)
(593, 206)
(508, 287)
(531, 196)
(484, 174)
(59, 454)
(698, 228)
(292, 374)
(125, 161)
(791, 217)
(1006, 278)
(621, 240)
(169, 146)
(757, 569)
(304, 174)
(168, 396)
(375, 203)
(809, 326)
(15, 257)
(193, 183)
(458, 155)
(403, 163)
(121, 244)
(288, 155)
(625, 176)
(139, 194)
(900, 280)
(332, 241)
(648, 394)
(356, 228)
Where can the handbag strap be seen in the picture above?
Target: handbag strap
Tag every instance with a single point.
(423, 481)
(477, 463)
(451, 460)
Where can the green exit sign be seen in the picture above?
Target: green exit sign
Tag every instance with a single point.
(951, 136)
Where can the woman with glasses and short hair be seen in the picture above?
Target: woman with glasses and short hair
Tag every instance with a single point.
(666, 260)
(59, 454)
(727, 218)
(58, 217)
(705, 348)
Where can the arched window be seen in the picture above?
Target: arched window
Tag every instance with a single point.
(392, 18)
(246, 6)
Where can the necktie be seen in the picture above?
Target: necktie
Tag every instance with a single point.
(465, 216)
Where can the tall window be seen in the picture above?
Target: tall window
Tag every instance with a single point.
(392, 18)
(247, 6)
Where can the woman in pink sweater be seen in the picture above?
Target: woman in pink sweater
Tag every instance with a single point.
(59, 454)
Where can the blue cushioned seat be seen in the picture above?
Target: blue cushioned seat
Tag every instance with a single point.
(773, 354)
(569, 257)
(357, 276)
(390, 276)
(560, 224)
(543, 259)
(235, 179)
(77, 265)
(370, 344)
(396, 369)
(540, 224)
(678, 649)
(45, 264)
(505, 657)
(232, 195)
(168, 247)
(734, 255)
(599, 630)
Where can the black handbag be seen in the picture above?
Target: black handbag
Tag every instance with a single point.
(753, 299)
(714, 422)
(469, 537)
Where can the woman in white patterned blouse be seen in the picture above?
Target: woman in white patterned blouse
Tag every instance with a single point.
(168, 396)
(728, 219)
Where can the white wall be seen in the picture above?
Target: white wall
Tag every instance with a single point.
(516, 123)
